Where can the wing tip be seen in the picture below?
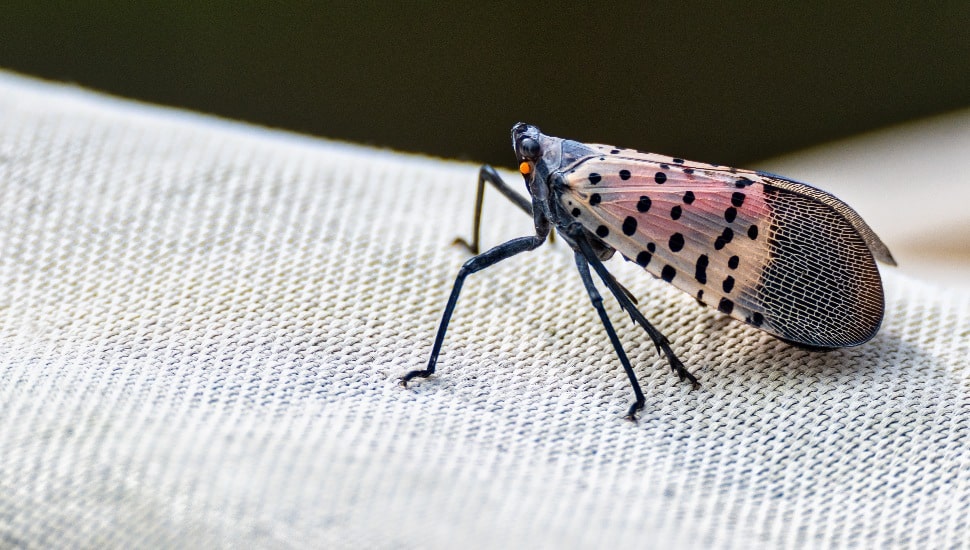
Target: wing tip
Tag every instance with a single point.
(878, 248)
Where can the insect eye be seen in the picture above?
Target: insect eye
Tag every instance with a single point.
(529, 148)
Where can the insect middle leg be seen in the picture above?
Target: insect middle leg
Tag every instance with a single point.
(597, 300)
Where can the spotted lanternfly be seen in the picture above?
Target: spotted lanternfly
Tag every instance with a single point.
(780, 255)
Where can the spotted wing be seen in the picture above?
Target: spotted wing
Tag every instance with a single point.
(780, 255)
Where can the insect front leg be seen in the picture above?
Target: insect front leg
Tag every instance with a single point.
(597, 300)
(488, 174)
(622, 296)
(473, 265)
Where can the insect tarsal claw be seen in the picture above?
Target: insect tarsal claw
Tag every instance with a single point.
(636, 407)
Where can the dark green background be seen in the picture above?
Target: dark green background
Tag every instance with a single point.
(727, 83)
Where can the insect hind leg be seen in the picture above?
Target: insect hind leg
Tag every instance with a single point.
(623, 297)
(597, 300)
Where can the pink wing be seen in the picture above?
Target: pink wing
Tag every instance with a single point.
(777, 254)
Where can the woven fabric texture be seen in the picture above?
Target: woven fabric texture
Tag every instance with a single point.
(202, 324)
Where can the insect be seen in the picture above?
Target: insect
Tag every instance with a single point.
(777, 254)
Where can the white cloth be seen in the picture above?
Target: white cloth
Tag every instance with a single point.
(202, 324)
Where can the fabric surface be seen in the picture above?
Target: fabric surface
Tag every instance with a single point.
(202, 324)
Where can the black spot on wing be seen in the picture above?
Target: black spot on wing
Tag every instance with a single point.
(724, 238)
(643, 204)
(700, 270)
(676, 242)
(629, 226)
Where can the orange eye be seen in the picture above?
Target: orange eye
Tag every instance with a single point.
(525, 168)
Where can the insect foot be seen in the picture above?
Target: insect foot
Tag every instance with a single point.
(422, 373)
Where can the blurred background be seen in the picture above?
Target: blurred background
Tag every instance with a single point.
(729, 82)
